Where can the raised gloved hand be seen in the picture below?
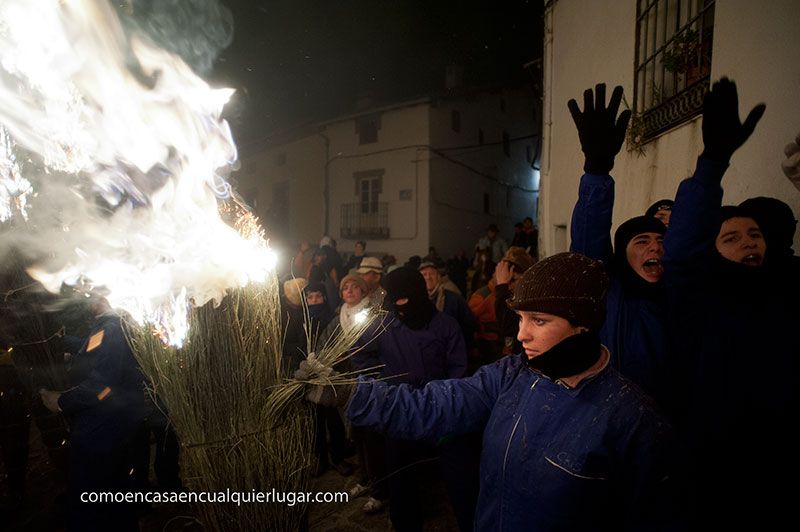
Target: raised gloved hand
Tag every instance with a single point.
(723, 132)
(322, 394)
(600, 131)
(791, 165)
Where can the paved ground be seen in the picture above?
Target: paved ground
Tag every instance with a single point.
(42, 509)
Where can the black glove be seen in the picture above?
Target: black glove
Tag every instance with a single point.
(599, 130)
(322, 394)
(723, 133)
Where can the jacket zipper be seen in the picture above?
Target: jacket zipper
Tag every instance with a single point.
(505, 458)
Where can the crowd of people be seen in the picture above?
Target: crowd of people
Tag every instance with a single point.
(615, 386)
(637, 381)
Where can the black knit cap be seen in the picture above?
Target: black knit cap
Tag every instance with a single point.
(660, 205)
(568, 285)
(631, 228)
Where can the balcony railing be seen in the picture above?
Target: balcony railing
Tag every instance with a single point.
(365, 220)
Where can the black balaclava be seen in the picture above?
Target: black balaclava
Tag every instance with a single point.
(319, 310)
(632, 281)
(408, 283)
(571, 356)
(777, 223)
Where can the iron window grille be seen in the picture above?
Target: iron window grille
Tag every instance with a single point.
(672, 63)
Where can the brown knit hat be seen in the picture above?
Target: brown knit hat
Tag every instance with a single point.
(518, 257)
(568, 285)
(355, 278)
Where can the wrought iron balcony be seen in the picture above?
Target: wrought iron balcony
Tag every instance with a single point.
(365, 220)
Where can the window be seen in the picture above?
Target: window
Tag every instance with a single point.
(672, 62)
(369, 186)
(367, 129)
(455, 121)
(506, 144)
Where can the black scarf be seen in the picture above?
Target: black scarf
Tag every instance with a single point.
(571, 356)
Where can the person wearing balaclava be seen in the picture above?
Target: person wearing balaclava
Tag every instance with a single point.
(419, 344)
(734, 346)
(778, 224)
(568, 442)
(329, 433)
(634, 327)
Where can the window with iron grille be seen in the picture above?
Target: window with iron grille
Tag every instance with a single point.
(672, 64)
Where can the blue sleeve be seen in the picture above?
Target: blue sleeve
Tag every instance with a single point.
(590, 231)
(453, 406)
(694, 224)
(107, 366)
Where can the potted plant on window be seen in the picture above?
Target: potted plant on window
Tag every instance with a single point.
(687, 56)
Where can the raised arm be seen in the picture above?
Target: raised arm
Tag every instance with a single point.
(601, 135)
(440, 408)
(694, 224)
(452, 406)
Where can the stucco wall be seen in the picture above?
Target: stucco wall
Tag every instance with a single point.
(587, 41)
(401, 130)
(458, 218)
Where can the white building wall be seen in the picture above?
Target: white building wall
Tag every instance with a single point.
(296, 169)
(396, 153)
(465, 170)
(755, 43)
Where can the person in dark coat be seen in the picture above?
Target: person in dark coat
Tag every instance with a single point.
(416, 345)
(448, 301)
(778, 224)
(634, 326)
(457, 267)
(330, 443)
(569, 443)
(355, 259)
(733, 332)
(107, 410)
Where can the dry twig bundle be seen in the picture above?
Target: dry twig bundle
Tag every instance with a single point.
(241, 423)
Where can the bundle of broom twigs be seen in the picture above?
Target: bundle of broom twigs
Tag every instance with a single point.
(242, 424)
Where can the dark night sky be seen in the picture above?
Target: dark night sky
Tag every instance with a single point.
(295, 61)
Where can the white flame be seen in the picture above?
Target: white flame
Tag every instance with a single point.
(112, 111)
(14, 189)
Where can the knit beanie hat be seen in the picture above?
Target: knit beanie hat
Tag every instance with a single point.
(354, 278)
(568, 285)
(660, 205)
(631, 228)
(776, 221)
